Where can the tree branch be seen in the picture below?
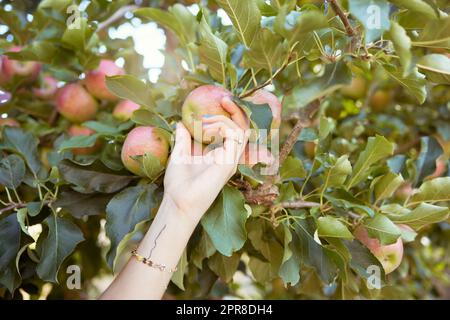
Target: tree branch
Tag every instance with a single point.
(298, 204)
(116, 16)
(13, 206)
(337, 8)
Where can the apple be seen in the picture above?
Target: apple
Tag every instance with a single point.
(144, 140)
(95, 80)
(78, 130)
(390, 256)
(47, 89)
(10, 122)
(356, 89)
(380, 100)
(310, 149)
(124, 110)
(263, 96)
(204, 100)
(25, 69)
(74, 103)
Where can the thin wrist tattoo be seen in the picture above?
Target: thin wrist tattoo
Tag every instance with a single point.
(154, 245)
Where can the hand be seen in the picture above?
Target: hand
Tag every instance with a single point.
(192, 182)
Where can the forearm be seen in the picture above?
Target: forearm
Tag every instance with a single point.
(164, 243)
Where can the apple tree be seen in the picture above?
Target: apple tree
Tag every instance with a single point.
(354, 95)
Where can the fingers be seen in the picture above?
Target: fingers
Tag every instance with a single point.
(182, 141)
(214, 119)
(236, 113)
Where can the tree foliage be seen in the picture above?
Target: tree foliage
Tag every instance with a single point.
(365, 140)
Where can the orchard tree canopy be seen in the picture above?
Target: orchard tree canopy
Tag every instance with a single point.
(356, 92)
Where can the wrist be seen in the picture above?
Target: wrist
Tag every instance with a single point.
(174, 214)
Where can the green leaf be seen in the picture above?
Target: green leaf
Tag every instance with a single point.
(424, 214)
(268, 51)
(435, 190)
(82, 204)
(125, 210)
(290, 265)
(213, 52)
(78, 142)
(343, 199)
(10, 236)
(377, 148)
(131, 88)
(314, 254)
(426, 162)
(178, 276)
(362, 259)
(402, 46)
(224, 267)
(245, 17)
(417, 6)
(24, 144)
(386, 185)
(382, 228)
(436, 34)
(63, 236)
(93, 178)
(333, 228)
(259, 114)
(436, 67)
(302, 27)
(292, 168)
(78, 38)
(374, 16)
(414, 83)
(335, 76)
(225, 221)
(12, 171)
(147, 117)
(336, 175)
(204, 249)
(326, 126)
(178, 19)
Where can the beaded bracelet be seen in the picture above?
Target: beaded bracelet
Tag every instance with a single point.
(150, 263)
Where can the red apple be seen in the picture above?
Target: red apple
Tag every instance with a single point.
(95, 80)
(47, 89)
(124, 110)
(204, 100)
(10, 122)
(11, 68)
(256, 153)
(75, 104)
(390, 256)
(144, 140)
(77, 130)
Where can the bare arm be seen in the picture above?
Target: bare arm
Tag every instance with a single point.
(190, 188)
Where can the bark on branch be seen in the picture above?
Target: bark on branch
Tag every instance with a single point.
(337, 8)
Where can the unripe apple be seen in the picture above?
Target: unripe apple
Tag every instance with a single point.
(263, 96)
(204, 100)
(47, 89)
(356, 89)
(390, 256)
(10, 122)
(144, 140)
(310, 149)
(74, 103)
(11, 68)
(77, 130)
(95, 80)
(124, 110)
(380, 100)
(256, 153)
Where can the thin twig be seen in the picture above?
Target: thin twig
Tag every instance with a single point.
(13, 206)
(116, 16)
(298, 204)
(268, 81)
(337, 8)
